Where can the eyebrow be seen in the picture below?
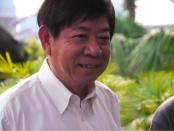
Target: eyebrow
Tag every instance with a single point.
(83, 28)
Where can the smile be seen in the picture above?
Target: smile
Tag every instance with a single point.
(88, 66)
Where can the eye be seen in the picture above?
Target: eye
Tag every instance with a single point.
(104, 37)
(80, 36)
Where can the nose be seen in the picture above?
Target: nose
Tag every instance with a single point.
(93, 48)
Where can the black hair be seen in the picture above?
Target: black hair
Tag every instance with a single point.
(57, 14)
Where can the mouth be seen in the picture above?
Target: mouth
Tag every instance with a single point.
(88, 66)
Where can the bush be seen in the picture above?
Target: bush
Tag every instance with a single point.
(152, 89)
(8, 69)
(11, 72)
(139, 98)
(34, 49)
(126, 26)
(153, 51)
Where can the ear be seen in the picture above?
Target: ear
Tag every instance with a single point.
(45, 38)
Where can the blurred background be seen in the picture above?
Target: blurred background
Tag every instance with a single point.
(19, 16)
(141, 69)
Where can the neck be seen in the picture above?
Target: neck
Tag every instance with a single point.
(81, 91)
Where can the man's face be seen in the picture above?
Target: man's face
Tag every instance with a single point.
(81, 52)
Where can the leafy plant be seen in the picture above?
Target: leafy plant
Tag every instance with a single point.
(8, 69)
(153, 51)
(128, 27)
(120, 51)
(139, 98)
(34, 49)
(142, 99)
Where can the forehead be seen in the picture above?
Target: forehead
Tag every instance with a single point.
(87, 24)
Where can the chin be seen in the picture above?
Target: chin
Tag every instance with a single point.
(87, 80)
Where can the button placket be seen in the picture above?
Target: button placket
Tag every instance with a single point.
(82, 110)
(78, 106)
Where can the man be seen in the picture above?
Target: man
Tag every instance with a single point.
(63, 95)
(164, 116)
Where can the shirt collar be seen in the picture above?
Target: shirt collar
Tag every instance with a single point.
(91, 98)
(59, 94)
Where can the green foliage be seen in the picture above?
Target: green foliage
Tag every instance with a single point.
(141, 101)
(8, 69)
(139, 98)
(34, 49)
(126, 25)
(120, 51)
(149, 60)
(109, 77)
(13, 72)
(153, 51)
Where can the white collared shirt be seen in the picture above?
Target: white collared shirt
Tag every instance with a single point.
(42, 103)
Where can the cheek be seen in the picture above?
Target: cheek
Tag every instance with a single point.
(70, 55)
(73, 51)
(106, 52)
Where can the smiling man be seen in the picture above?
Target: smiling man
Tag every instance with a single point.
(64, 94)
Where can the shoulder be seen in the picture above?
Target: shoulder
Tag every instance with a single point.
(108, 99)
(164, 116)
(167, 105)
(18, 90)
(165, 109)
(103, 88)
(105, 92)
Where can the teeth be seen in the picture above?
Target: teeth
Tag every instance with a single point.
(88, 66)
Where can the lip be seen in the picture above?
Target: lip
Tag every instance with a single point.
(89, 66)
